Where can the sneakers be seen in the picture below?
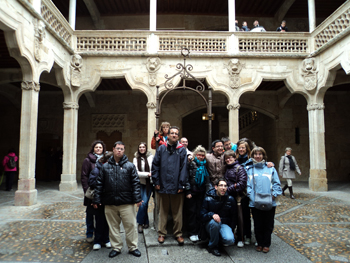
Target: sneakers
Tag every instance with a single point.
(96, 247)
(247, 241)
(240, 244)
(194, 238)
(89, 239)
(108, 245)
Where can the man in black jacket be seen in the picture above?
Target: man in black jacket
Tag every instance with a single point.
(169, 176)
(219, 215)
(118, 188)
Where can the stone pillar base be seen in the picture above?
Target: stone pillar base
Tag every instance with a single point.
(318, 180)
(26, 194)
(68, 183)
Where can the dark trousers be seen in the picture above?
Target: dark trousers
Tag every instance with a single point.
(192, 207)
(247, 225)
(10, 176)
(102, 229)
(263, 225)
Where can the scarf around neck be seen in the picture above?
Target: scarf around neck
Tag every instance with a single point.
(201, 172)
(256, 162)
(139, 166)
(291, 162)
(98, 156)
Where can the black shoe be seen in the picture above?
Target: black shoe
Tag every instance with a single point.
(135, 252)
(214, 251)
(114, 253)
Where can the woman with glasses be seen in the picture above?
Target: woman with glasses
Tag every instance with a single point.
(262, 179)
(198, 183)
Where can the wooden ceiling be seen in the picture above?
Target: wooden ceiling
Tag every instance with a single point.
(252, 8)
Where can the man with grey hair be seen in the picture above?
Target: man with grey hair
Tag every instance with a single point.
(184, 143)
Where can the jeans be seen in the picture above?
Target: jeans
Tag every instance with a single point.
(142, 214)
(89, 224)
(218, 230)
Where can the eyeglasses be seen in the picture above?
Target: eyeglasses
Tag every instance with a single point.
(119, 149)
(223, 185)
(219, 146)
(174, 133)
(200, 155)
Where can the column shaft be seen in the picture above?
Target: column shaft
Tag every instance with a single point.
(153, 15)
(318, 174)
(233, 122)
(231, 16)
(312, 15)
(26, 193)
(72, 12)
(70, 127)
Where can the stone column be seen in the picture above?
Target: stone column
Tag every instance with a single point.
(233, 122)
(318, 174)
(27, 194)
(312, 15)
(69, 165)
(153, 15)
(151, 124)
(231, 16)
(72, 13)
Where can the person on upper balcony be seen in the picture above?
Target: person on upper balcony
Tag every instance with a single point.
(245, 27)
(283, 27)
(257, 27)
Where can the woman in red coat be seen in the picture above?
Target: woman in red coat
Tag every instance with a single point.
(10, 168)
(160, 136)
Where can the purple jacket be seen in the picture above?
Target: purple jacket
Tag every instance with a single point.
(88, 166)
(6, 159)
(236, 174)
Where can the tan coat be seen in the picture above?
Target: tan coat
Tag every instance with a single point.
(286, 172)
(216, 166)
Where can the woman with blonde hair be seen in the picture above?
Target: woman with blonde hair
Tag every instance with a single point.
(160, 136)
(198, 183)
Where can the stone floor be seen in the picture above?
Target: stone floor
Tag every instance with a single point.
(314, 227)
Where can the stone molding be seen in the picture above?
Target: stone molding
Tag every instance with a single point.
(233, 106)
(315, 106)
(151, 105)
(30, 85)
(108, 122)
(70, 105)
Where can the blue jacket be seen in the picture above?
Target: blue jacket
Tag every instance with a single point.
(169, 168)
(266, 181)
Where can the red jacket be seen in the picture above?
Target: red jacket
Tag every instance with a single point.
(6, 159)
(161, 142)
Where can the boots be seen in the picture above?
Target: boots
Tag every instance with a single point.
(284, 189)
(291, 192)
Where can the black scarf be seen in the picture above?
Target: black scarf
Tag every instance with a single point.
(139, 166)
(291, 162)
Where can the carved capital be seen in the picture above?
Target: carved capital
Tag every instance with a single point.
(151, 105)
(233, 106)
(30, 85)
(70, 105)
(76, 64)
(315, 106)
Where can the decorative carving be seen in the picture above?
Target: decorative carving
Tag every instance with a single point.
(333, 29)
(55, 22)
(30, 85)
(108, 122)
(151, 105)
(233, 106)
(39, 35)
(70, 105)
(234, 67)
(153, 65)
(309, 70)
(195, 44)
(75, 70)
(268, 45)
(121, 44)
(315, 106)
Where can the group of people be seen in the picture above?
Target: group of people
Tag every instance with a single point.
(216, 191)
(258, 28)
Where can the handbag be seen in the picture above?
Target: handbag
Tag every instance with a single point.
(90, 193)
(262, 201)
